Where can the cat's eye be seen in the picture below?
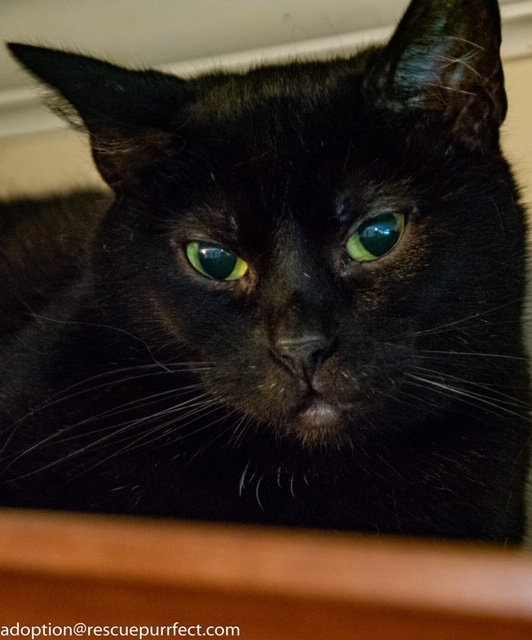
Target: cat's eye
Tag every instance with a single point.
(375, 237)
(216, 262)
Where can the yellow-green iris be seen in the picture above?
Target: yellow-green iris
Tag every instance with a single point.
(375, 237)
(216, 262)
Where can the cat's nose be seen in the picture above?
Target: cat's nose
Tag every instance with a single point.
(303, 355)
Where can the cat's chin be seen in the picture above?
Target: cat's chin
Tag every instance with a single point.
(320, 423)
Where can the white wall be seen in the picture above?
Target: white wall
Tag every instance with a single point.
(517, 130)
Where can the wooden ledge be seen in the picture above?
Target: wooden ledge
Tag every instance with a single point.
(60, 569)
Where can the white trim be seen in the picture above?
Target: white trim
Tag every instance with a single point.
(22, 112)
(320, 48)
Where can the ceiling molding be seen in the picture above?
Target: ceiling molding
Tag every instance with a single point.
(22, 112)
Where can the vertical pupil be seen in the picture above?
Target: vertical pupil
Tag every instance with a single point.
(217, 262)
(380, 235)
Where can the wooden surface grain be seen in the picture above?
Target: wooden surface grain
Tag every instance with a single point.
(60, 569)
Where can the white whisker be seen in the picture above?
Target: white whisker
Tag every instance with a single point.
(110, 438)
(509, 400)
(466, 397)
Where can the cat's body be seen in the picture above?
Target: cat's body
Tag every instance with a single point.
(44, 249)
(303, 308)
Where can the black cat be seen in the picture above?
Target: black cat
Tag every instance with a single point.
(304, 305)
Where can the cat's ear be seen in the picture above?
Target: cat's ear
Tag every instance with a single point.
(444, 58)
(129, 114)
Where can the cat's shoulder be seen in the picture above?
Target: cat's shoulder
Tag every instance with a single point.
(44, 244)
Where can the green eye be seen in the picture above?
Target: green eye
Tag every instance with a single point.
(216, 262)
(376, 237)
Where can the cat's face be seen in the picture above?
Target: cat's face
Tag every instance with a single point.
(312, 256)
(318, 239)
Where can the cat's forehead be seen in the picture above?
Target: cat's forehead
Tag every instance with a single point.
(259, 201)
(299, 143)
(279, 126)
(269, 92)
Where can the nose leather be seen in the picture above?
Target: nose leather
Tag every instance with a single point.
(302, 355)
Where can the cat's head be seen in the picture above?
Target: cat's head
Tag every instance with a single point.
(314, 234)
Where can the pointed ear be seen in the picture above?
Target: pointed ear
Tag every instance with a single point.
(129, 114)
(444, 58)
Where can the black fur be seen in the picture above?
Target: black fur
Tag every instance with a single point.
(390, 395)
(44, 249)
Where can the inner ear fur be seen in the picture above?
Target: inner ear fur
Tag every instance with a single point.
(121, 154)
